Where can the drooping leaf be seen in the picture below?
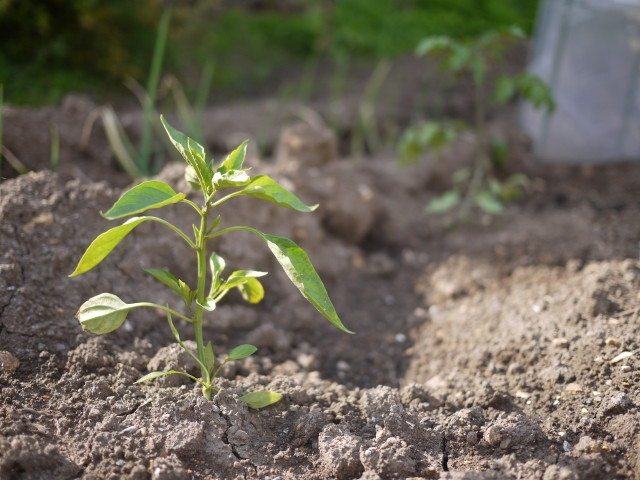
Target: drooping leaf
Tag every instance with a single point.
(165, 277)
(297, 266)
(235, 159)
(444, 202)
(193, 154)
(268, 189)
(209, 357)
(242, 351)
(154, 375)
(488, 202)
(260, 399)
(104, 243)
(143, 197)
(103, 313)
(252, 290)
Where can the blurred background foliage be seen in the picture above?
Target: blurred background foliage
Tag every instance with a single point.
(52, 47)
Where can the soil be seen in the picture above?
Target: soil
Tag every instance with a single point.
(502, 348)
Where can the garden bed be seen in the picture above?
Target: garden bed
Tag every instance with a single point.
(503, 348)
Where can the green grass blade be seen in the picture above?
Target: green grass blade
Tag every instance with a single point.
(152, 88)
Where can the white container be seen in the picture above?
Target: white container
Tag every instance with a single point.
(588, 51)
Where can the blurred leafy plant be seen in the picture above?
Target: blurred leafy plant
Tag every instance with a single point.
(476, 185)
(106, 312)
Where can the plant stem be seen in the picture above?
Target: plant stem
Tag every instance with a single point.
(161, 307)
(201, 250)
(479, 160)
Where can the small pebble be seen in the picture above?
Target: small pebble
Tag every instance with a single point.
(342, 365)
(493, 435)
(560, 342)
(8, 362)
(625, 368)
(573, 388)
(614, 342)
(621, 356)
(401, 337)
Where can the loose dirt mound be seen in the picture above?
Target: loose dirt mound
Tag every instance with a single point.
(502, 349)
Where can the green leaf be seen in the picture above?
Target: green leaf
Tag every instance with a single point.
(536, 91)
(268, 189)
(260, 399)
(230, 179)
(104, 243)
(252, 290)
(459, 58)
(504, 90)
(298, 267)
(242, 276)
(143, 197)
(242, 351)
(216, 265)
(214, 224)
(444, 202)
(209, 304)
(103, 313)
(186, 294)
(433, 45)
(193, 154)
(460, 176)
(235, 159)
(154, 375)
(209, 357)
(488, 202)
(165, 277)
(192, 178)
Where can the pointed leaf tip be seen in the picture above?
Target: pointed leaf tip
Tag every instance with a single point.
(297, 266)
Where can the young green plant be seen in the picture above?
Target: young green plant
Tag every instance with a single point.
(475, 185)
(106, 312)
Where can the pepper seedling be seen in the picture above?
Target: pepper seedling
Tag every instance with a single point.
(106, 312)
(476, 185)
